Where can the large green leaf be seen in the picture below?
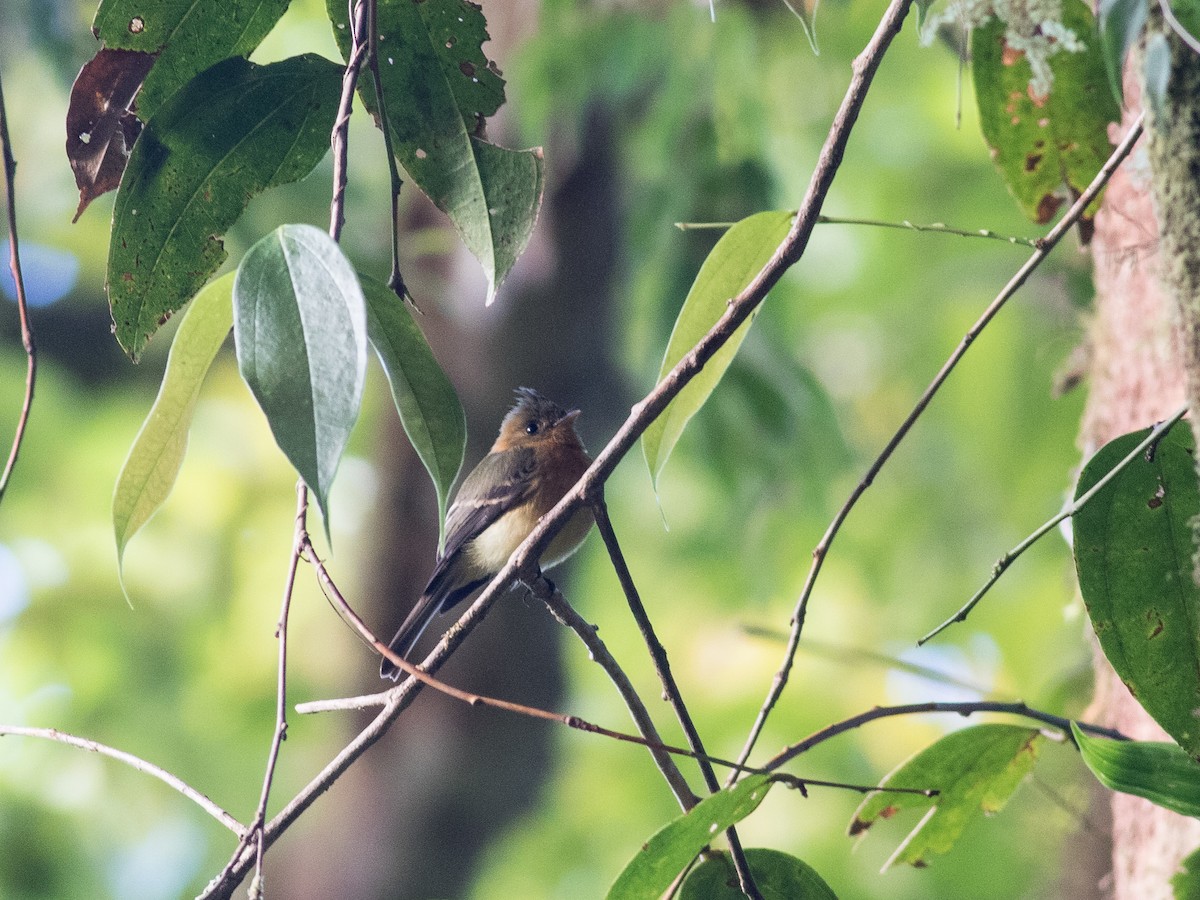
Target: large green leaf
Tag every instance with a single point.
(300, 326)
(974, 771)
(233, 131)
(1134, 552)
(1186, 882)
(738, 256)
(439, 89)
(429, 409)
(664, 856)
(157, 453)
(188, 36)
(1045, 147)
(777, 875)
(1155, 770)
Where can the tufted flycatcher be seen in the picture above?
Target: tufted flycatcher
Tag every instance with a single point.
(535, 460)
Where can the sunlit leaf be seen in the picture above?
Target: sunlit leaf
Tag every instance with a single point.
(737, 257)
(157, 453)
(100, 128)
(1120, 23)
(429, 409)
(300, 326)
(187, 37)
(232, 132)
(974, 771)
(440, 88)
(1134, 551)
(777, 875)
(1047, 148)
(663, 857)
(1155, 770)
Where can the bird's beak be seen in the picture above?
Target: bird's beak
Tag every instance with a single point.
(569, 418)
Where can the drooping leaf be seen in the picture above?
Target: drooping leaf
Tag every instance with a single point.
(187, 36)
(1155, 770)
(1121, 22)
(100, 128)
(1047, 147)
(663, 857)
(1186, 882)
(154, 460)
(974, 771)
(232, 132)
(737, 257)
(300, 326)
(777, 875)
(439, 89)
(1134, 548)
(1156, 70)
(429, 409)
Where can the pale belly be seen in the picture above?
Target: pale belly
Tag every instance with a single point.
(491, 550)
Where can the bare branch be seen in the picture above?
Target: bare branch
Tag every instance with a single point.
(136, 762)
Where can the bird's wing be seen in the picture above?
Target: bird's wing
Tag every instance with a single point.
(500, 482)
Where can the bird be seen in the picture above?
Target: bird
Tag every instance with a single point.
(536, 458)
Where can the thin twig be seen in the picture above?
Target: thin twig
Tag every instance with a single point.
(963, 709)
(136, 762)
(341, 125)
(14, 265)
(1067, 512)
(878, 223)
(819, 552)
(662, 665)
(395, 280)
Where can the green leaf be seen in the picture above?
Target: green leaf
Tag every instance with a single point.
(974, 771)
(188, 36)
(1121, 22)
(738, 256)
(300, 326)
(1155, 770)
(1045, 147)
(664, 856)
(439, 89)
(1186, 882)
(1133, 546)
(778, 876)
(232, 132)
(808, 17)
(429, 409)
(157, 453)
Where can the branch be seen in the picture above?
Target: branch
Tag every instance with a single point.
(136, 762)
(341, 125)
(819, 552)
(14, 265)
(962, 709)
(1067, 512)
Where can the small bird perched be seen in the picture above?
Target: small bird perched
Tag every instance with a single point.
(535, 460)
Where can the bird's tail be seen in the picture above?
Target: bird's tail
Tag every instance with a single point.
(441, 593)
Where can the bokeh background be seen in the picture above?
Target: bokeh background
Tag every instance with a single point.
(650, 114)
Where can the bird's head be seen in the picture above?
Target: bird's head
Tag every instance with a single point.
(535, 421)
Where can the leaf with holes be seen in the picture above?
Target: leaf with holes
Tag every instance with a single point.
(974, 771)
(156, 456)
(665, 855)
(234, 131)
(429, 409)
(186, 36)
(1134, 549)
(1048, 148)
(300, 327)
(737, 257)
(439, 89)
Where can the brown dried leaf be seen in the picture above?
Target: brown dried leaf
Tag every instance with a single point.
(100, 128)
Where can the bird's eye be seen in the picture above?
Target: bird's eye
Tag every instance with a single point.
(531, 427)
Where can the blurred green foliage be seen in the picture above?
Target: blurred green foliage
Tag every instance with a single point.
(709, 122)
